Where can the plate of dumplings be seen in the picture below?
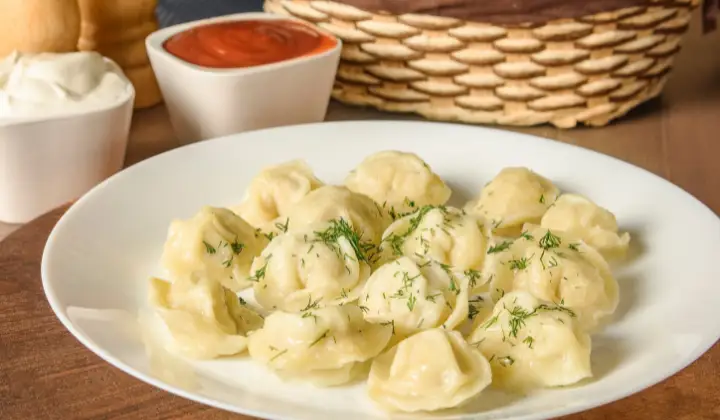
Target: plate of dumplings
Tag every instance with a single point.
(383, 270)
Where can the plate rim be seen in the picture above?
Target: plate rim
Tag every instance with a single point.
(48, 289)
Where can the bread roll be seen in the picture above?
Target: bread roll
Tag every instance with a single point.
(39, 26)
(117, 13)
(117, 29)
(93, 35)
(147, 91)
(126, 55)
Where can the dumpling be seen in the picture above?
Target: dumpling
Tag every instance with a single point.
(275, 190)
(204, 319)
(326, 262)
(514, 197)
(401, 182)
(215, 243)
(443, 234)
(428, 371)
(552, 268)
(413, 298)
(332, 202)
(532, 344)
(327, 346)
(584, 219)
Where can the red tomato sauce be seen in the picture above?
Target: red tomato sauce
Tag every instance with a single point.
(247, 43)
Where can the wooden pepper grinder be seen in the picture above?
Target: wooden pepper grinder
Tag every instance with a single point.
(117, 29)
(34, 26)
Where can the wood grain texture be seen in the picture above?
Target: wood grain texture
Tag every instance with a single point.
(46, 374)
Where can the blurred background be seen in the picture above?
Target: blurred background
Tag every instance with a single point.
(171, 12)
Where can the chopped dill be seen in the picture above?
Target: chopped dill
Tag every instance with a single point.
(503, 246)
(431, 298)
(472, 311)
(529, 341)
(260, 273)
(473, 276)
(237, 247)
(411, 302)
(391, 323)
(278, 355)
(490, 322)
(209, 248)
(319, 339)
(312, 304)
(340, 228)
(520, 264)
(549, 241)
(283, 227)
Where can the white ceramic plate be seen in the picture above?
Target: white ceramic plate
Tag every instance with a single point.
(99, 256)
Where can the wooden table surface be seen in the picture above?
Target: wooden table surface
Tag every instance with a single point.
(46, 374)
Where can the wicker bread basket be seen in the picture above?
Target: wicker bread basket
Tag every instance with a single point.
(588, 69)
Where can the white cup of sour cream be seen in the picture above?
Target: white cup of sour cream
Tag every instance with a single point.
(64, 125)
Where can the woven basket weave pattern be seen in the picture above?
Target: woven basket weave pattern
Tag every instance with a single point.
(587, 70)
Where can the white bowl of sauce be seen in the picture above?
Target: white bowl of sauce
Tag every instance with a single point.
(64, 125)
(243, 72)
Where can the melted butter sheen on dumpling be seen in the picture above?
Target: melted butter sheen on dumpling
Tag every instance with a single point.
(514, 197)
(428, 371)
(414, 298)
(204, 319)
(553, 268)
(399, 181)
(532, 344)
(331, 202)
(325, 262)
(275, 190)
(216, 244)
(327, 346)
(596, 226)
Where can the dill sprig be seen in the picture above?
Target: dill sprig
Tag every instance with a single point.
(529, 341)
(520, 264)
(549, 241)
(260, 273)
(278, 355)
(209, 248)
(283, 227)
(473, 276)
(340, 228)
(312, 304)
(391, 323)
(453, 287)
(518, 316)
(237, 247)
(396, 241)
(319, 339)
(472, 311)
(411, 302)
(502, 246)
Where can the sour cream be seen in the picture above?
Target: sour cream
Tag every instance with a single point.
(36, 86)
